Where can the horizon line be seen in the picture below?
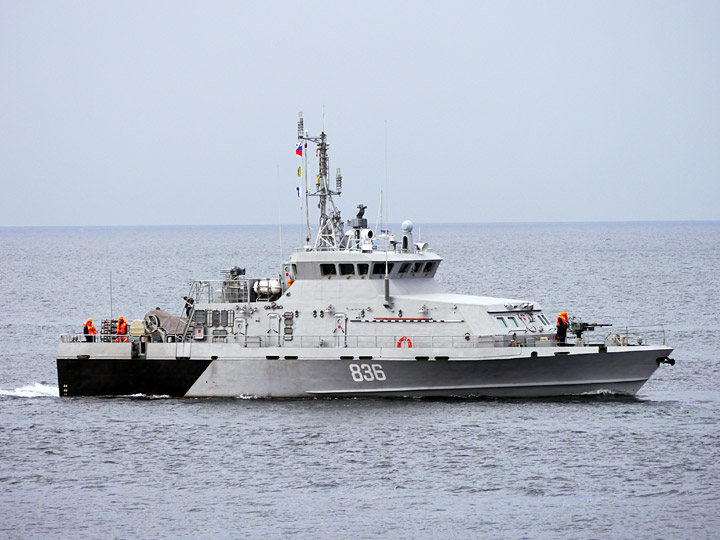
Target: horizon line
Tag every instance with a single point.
(207, 225)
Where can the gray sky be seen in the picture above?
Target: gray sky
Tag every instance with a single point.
(160, 113)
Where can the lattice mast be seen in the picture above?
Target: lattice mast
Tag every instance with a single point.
(331, 231)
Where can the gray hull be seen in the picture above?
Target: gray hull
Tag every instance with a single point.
(289, 373)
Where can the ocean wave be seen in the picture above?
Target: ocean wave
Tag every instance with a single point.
(32, 390)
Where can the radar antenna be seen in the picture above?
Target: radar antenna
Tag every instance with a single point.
(331, 232)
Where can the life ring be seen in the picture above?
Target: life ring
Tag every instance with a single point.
(404, 339)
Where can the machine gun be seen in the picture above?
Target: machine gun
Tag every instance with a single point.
(235, 272)
(578, 327)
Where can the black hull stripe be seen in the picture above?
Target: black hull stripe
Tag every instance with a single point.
(110, 377)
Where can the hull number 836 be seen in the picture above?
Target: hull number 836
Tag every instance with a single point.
(367, 372)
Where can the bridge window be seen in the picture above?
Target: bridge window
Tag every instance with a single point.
(379, 268)
(347, 269)
(404, 267)
(363, 269)
(328, 270)
(429, 266)
(416, 267)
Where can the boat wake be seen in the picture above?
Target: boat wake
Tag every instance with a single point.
(604, 392)
(32, 390)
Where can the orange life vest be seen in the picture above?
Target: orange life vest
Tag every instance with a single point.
(90, 329)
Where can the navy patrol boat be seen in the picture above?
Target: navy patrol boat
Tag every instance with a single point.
(353, 314)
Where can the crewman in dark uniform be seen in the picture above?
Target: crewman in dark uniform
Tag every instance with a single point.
(188, 305)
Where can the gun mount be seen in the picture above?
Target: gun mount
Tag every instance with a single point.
(579, 327)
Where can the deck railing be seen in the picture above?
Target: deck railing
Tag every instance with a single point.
(625, 335)
(96, 338)
(653, 334)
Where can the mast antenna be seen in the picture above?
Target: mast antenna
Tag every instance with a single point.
(279, 218)
(302, 133)
(385, 213)
(331, 230)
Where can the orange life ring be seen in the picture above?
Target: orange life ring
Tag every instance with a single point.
(406, 340)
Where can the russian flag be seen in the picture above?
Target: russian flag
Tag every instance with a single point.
(298, 150)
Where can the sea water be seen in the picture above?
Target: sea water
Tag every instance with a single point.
(579, 467)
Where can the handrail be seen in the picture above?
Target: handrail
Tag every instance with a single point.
(96, 338)
(616, 336)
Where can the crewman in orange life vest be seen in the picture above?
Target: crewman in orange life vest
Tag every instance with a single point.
(121, 330)
(562, 326)
(89, 330)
